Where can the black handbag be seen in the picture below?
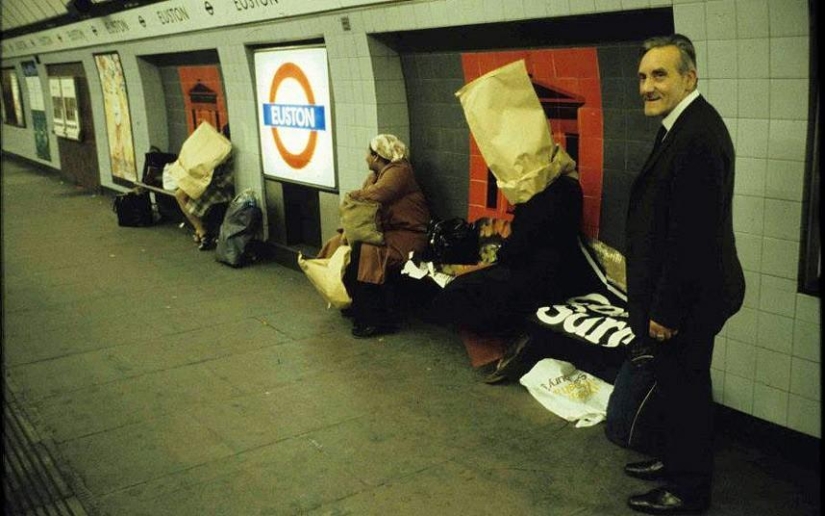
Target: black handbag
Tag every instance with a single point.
(134, 209)
(153, 164)
(452, 241)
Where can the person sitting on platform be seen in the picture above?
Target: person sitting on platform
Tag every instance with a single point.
(404, 216)
(221, 189)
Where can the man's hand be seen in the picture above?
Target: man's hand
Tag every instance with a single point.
(659, 332)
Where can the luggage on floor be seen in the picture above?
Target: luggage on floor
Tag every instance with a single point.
(239, 227)
(133, 209)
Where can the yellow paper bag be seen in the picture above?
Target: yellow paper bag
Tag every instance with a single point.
(511, 130)
(204, 150)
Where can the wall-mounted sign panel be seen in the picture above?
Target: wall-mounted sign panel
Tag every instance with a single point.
(58, 116)
(118, 117)
(295, 115)
(170, 18)
(70, 113)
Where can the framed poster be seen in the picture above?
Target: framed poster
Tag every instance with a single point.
(38, 105)
(295, 115)
(203, 98)
(70, 113)
(118, 118)
(12, 99)
(58, 117)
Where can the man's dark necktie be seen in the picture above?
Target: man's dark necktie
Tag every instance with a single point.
(659, 137)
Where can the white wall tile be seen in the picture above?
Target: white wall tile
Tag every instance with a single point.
(770, 404)
(788, 17)
(720, 14)
(785, 179)
(740, 359)
(690, 20)
(719, 353)
(582, 6)
(808, 308)
(806, 378)
(738, 393)
(807, 340)
(750, 176)
(752, 19)
(754, 58)
(789, 58)
(773, 369)
(805, 415)
(749, 248)
(789, 99)
(724, 95)
(783, 219)
(558, 7)
(778, 296)
(748, 214)
(775, 332)
(754, 98)
(717, 378)
(780, 257)
(753, 284)
(743, 326)
(752, 138)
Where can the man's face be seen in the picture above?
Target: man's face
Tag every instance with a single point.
(661, 85)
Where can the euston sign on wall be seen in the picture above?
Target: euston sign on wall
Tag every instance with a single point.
(295, 115)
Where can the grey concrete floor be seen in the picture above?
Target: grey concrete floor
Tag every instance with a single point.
(170, 384)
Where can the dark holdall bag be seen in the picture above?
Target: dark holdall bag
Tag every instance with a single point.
(634, 410)
(134, 209)
(240, 224)
(452, 241)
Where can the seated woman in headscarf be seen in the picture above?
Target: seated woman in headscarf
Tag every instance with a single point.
(404, 216)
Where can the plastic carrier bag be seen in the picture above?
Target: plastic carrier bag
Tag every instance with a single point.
(240, 224)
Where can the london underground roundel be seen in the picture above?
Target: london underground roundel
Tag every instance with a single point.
(294, 115)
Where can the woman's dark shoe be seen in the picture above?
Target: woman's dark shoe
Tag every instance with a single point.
(663, 501)
(347, 313)
(511, 365)
(653, 469)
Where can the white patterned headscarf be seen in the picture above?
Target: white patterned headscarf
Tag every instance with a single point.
(389, 147)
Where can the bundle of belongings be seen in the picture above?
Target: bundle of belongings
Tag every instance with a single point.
(560, 292)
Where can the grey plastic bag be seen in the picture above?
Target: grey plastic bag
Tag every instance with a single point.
(239, 227)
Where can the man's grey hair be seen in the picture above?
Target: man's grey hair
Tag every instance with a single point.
(683, 43)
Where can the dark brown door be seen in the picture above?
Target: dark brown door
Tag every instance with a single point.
(78, 159)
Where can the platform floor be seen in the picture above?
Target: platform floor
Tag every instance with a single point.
(164, 383)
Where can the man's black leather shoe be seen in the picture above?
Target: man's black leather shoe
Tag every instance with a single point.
(646, 470)
(662, 501)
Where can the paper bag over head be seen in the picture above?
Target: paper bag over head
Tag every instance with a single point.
(511, 130)
(204, 150)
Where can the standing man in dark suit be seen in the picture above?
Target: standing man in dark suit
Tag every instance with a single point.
(684, 277)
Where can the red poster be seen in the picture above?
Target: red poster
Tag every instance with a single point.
(567, 84)
(203, 96)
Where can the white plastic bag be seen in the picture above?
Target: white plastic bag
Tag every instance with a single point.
(567, 392)
(169, 182)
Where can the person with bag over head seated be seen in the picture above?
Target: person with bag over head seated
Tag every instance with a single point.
(221, 189)
(403, 214)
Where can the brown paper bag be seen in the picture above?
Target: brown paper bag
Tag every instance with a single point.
(511, 130)
(326, 275)
(204, 150)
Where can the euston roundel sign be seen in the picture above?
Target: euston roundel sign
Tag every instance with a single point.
(294, 107)
(284, 113)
